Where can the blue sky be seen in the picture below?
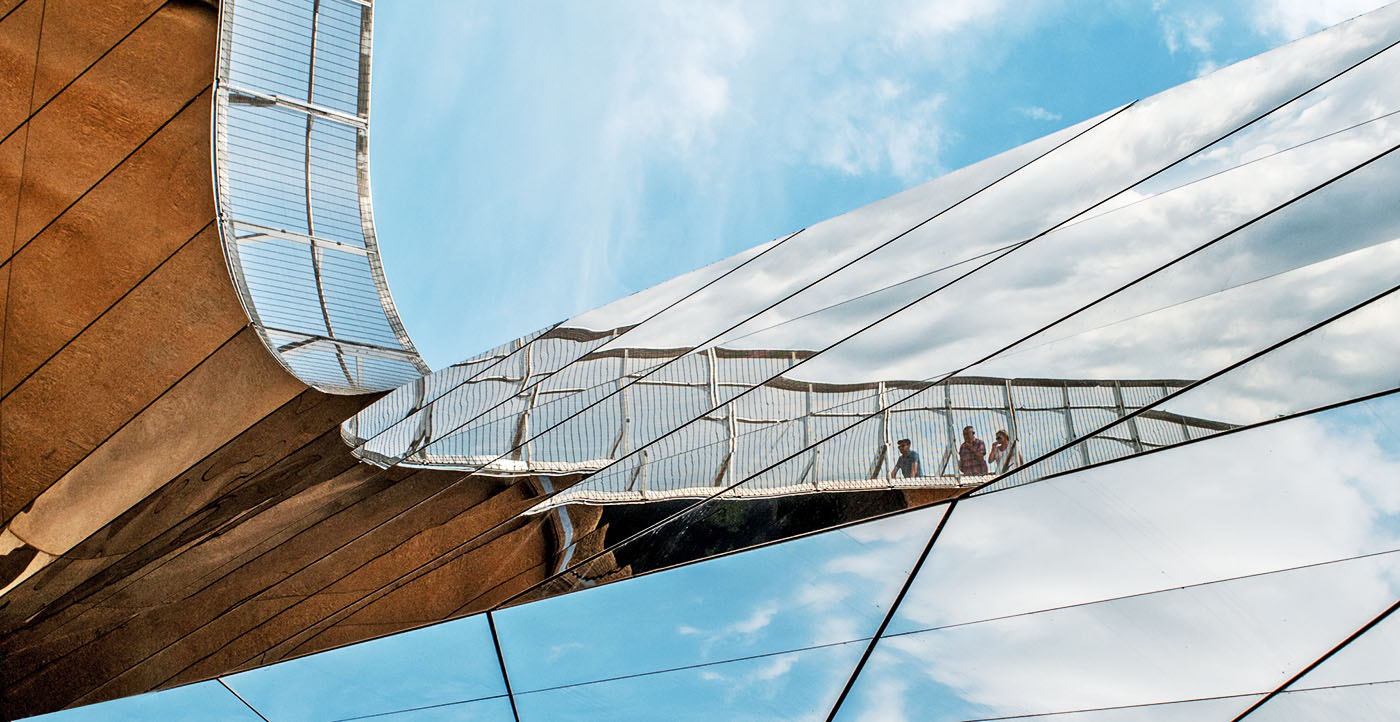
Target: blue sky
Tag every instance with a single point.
(532, 161)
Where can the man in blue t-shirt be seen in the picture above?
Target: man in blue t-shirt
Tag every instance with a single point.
(908, 462)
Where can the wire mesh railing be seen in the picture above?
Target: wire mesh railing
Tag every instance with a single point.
(291, 123)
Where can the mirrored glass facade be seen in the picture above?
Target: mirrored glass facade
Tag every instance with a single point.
(1166, 295)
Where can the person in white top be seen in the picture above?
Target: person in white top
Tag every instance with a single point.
(1000, 450)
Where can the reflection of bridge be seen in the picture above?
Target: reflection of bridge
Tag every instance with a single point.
(737, 416)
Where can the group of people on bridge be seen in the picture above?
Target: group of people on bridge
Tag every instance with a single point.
(973, 457)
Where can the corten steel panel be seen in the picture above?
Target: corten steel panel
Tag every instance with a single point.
(19, 44)
(333, 570)
(183, 425)
(11, 163)
(205, 501)
(87, 644)
(111, 238)
(127, 358)
(497, 569)
(375, 563)
(6, 6)
(78, 33)
(169, 637)
(114, 107)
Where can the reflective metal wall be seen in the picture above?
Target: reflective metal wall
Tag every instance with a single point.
(1170, 270)
(292, 182)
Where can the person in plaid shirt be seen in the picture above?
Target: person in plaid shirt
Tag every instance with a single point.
(972, 455)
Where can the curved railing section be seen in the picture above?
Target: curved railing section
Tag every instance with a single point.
(291, 126)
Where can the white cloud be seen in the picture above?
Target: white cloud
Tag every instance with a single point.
(1035, 112)
(925, 21)
(887, 699)
(1191, 28)
(775, 669)
(1292, 19)
(557, 651)
(756, 622)
(862, 129)
(673, 86)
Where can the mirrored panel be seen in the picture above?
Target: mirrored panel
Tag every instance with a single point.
(444, 664)
(1359, 681)
(1076, 176)
(203, 701)
(826, 589)
(1046, 415)
(1204, 571)
(1353, 349)
(795, 685)
(1332, 704)
(1187, 711)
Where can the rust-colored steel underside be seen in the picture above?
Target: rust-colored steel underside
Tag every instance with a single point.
(235, 528)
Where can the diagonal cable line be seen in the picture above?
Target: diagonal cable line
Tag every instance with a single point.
(891, 611)
(501, 658)
(245, 702)
(1319, 661)
(993, 354)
